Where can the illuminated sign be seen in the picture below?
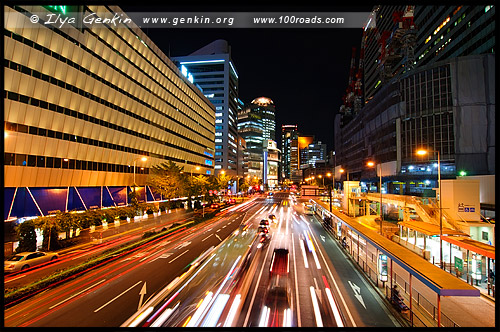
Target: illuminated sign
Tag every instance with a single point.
(187, 74)
(208, 162)
(382, 267)
(58, 9)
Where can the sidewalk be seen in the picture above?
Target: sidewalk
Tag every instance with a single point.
(104, 234)
(464, 311)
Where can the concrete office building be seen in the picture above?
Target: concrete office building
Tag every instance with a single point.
(213, 70)
(82, 106)
(447, 106)
(445, 101)
(446, 32)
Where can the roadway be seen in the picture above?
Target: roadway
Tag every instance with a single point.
(107, 294)
(324, 287)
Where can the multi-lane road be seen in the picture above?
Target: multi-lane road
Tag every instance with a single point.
(323, 287)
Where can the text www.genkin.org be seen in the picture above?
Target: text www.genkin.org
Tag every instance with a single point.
(174, 21)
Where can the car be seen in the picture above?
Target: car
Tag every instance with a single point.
(264, 222)
(214, 206)
(263, 229)
(25, 260)
(273, 218)
(279, 262)
(232, 201)
(277, 311)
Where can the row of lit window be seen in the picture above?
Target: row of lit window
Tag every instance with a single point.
(14, 159)
(85, 117)
(34, 73)
(457, 33)
(76, 42)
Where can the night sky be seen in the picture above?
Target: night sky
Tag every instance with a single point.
(304, 71)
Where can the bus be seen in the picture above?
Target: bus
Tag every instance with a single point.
(308, 209)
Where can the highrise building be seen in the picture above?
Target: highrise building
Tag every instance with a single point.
(289, 133)
(83, 107)
(446, 32)
(256, 125)
(383, 21)
(213, 70)
(313, 154)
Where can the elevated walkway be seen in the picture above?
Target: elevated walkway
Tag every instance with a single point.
(428, 213)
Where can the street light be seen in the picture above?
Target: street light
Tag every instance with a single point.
(347, 179)
(372, 164)
(142, 159)
(321, 177)
(197, 168)
(423, 152)
(330, 191)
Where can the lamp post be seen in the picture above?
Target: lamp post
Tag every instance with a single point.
(347, 179)
(142, 159)
(330, 191)
(197, 168)
(423, 152)
(334, 167)
(371, 164)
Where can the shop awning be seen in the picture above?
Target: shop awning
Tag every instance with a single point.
(429, 229)
(472, 245)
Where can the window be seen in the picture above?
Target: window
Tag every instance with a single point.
(484, 236)
(57, 162)
(31, 161)
(9, 158)
(49, 162)
(21, 160)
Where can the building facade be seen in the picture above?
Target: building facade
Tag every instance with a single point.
(256, 125)
(313, 154)
(271, 162)
(446, 32)
(83, 106)
(212, 69)
(289, 133)
(447, 106)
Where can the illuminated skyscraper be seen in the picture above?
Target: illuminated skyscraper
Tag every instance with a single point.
(212, 69)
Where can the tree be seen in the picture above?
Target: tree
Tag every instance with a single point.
(50, 228)
(27, 236)
(244, 185)
(167, 179)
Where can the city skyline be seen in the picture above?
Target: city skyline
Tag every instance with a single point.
(277, 63)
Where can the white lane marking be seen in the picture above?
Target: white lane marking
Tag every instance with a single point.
(304, 253)
(105, 304)
(333, 305)
(296, 284)
(178, 256)
(165, 255)
(335, 283)
(23, 275)
(256, 287)
(357, 293)
(217, 236)
(206, 237)
(217, 231)
(317, 314)
(76, 294)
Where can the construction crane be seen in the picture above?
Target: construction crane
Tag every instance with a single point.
(346, 107)
(398, 44)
